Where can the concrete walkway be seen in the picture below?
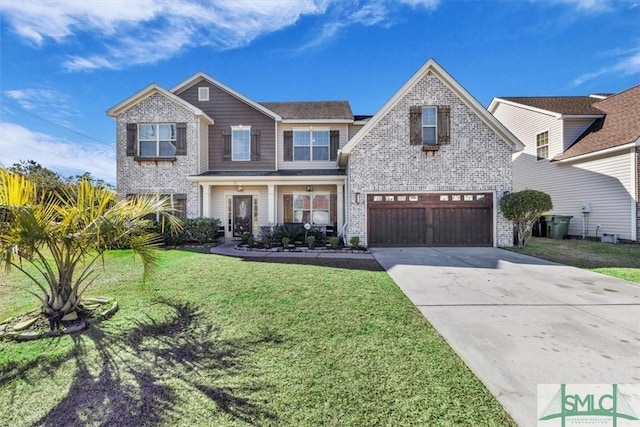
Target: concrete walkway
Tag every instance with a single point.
(518, 321)
(229, 249)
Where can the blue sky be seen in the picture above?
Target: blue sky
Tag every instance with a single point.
(64, 63)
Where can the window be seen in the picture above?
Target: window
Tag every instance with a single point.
(429, 126)
(311, 208)
(157, 140)
(311, 145)
(542, 145)
(241, 143)
(178, 203)
(203, 94)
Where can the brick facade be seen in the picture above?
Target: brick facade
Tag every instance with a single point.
(162, 177)
(475, 160)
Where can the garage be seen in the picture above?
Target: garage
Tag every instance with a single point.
(425, 219)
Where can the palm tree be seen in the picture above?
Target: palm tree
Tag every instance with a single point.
(62, 235)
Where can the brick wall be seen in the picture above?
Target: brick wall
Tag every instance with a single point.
(476, 159)
(158, 177)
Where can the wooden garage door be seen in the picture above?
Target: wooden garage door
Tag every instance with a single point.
(454, 219)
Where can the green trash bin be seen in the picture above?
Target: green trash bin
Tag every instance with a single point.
(557, 225)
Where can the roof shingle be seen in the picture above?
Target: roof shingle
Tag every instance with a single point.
(620, 126)
(569, 105)
(311, 110)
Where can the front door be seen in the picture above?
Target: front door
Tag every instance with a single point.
(242, 215)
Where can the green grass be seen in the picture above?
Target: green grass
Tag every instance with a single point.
(619, 260)
(211, 340)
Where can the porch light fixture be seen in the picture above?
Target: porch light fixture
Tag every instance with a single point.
(309, 187)
(239, 187)
(358, 198)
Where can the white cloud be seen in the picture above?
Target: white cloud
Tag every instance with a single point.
(66, 157)
(427, 4)
(47, 104)
(147, 31)
(627, 65)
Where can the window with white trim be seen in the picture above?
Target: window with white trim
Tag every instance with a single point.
(241, 143)
(157, 140)
(311, 208)
(312, 145)
(542, 146)
(429, 125)
(203, 94)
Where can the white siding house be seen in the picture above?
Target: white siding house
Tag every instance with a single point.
(590, 168)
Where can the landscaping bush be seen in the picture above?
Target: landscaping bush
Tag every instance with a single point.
(195, 230)
(292, 231)
(524, 208)
(355, 241)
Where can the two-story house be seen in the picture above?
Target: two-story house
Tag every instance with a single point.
(583, 152)
(428, 169)
(220, 154)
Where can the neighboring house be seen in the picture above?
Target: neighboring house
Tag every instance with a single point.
(583, 152)
(428, 169)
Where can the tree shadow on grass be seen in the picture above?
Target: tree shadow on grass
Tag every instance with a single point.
(142, 377)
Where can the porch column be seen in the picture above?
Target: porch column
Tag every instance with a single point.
(271, 204)
(340, 208)
(206, 200)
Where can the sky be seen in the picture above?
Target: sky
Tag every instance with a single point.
(63, 63)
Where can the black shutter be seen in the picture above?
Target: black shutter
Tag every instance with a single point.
(288, 145)
(181, 139)
(444, 124)
(415, 125)
(226, 144)
(132, 139)
(255, 144)
(334, 142)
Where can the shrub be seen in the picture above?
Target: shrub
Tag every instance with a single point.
(292, 231)
(334, 241)
(285, 241)
(198, 230)
(311, 241)
(355, 241)
(266, 234)
(524, 208)
(202, 230)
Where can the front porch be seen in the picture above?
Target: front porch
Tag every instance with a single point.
(244, 203)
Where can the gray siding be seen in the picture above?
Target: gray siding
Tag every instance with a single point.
(309, 164)
(227, 110)
(475, 160)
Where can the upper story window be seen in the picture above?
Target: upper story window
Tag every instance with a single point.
(240, 143)
(157, 140)
(429, 126)
(310, 145)
(542, 146)
(203, 94)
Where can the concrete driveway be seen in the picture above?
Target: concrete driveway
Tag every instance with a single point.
(518, 321)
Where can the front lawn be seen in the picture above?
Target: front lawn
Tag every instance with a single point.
(211, 340)
(617, 260)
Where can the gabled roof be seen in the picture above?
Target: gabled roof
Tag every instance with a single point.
(198, 77)
(327, 111)
(147, 92)
(432, 66)
(620, 126)
(562, 105)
